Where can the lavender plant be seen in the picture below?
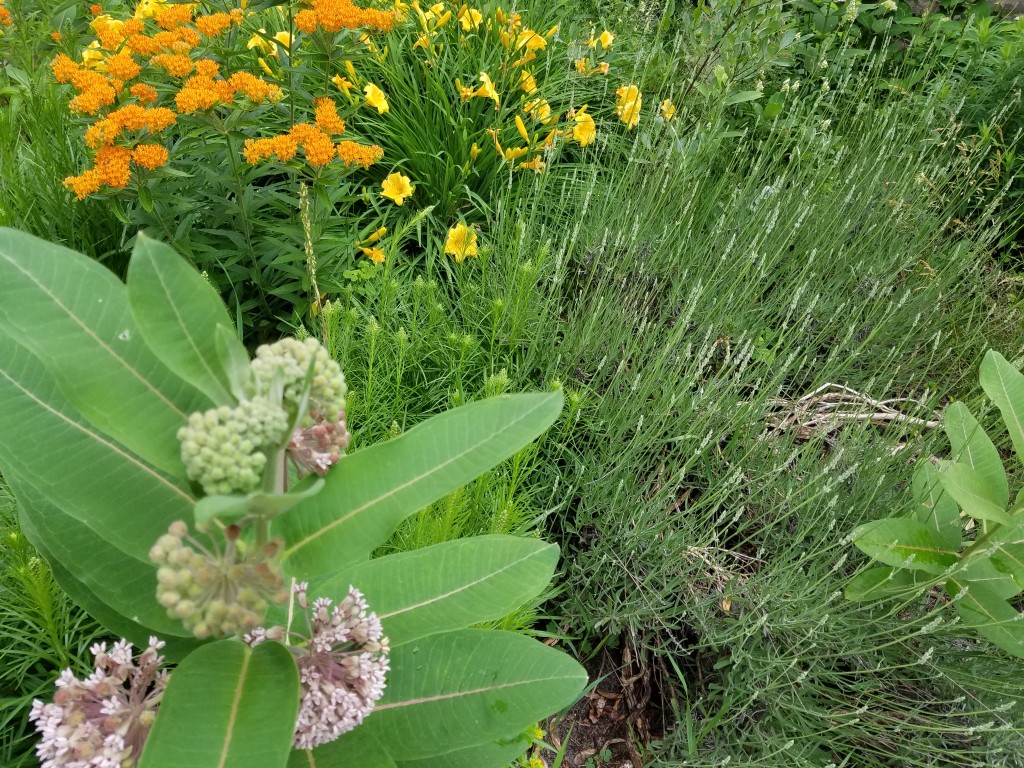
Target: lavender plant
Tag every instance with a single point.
(201, 505)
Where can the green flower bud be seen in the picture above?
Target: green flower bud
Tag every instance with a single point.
(292, 358)
(221, 447)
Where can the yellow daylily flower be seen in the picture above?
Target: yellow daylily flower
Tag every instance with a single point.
(461, 242)
(350, 68)
(533, 165)
(285, 39)
(527, 83)
(465, 92)
(146, 9)
(514, 153)
(262, 43)
(521, 127)
(538, 109)
(397, 187)
(581, 66)
(93, 57)
(584, 131)
(470, 18)
(668, 110)
(343, 83)
(487, 89)
(376, 254)
(474, 151)
(423, 41)
(375, 236)
(601, 69)
(606, 39)
(265, 66)
(628, 102)
(375, 98)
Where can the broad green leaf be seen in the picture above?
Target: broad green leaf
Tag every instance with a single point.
(356, 749)
(447, 586)
(494, 754)
(737, 97)
(227, 509)
(978, 569)
(73, 315)
(89, 476)
(1005, 550)
(125, 584)
(877, 583)
(469, 687)
(369, 492)
(980, 607)
(235, 361)
(1004, 384)
(936, 507)
(904, 543)
(227, 705)
(973, 493)
(971, 446)
(178, 313)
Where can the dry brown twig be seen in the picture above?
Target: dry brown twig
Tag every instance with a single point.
(832, 406)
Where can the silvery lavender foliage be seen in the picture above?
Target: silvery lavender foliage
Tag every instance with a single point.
(102, 721)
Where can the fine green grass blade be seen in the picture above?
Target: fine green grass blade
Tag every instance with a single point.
(469, 687)
(1004, 384)
(227, 705)
(971, 446)
(178, 313)
(368, 493)
(447, 586)
(904, 543)
(73, 315)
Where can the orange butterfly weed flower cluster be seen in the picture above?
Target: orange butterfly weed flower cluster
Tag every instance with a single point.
(316, 142)
(335, 15)
(161, 39)
(5, 16)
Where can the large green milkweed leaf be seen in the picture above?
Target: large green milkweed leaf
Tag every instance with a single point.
(116, 589)
(902, 542)
(469, 687)
(974, 493)
(227, 705)
(47, 444)
(971, 446)
(368, 493)
(73, 315)
(936, 507)
(1005, 550)
(178, 313)
(981, 607)
(876, 583)
(447, 586)
(356, 749)
(494, 754)
(1004, 384)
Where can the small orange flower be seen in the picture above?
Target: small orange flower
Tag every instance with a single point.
(123, 66)
(149, 156)
(84, 185)
(351, 153)
(55, 36)
(146, 94)
(207, 68)
(173, 16)
(327, 117)
(113, 164)
(175, 64)
(95, 9)
(213, 25)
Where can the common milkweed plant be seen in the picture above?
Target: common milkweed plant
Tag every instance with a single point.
(200, 504)
(964, 534)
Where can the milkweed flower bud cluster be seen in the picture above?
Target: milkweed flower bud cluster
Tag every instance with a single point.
(215, 593)
(103, 720)
(342, 666)
(291, 359)
(225, 449)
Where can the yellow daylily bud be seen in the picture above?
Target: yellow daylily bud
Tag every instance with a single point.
(521, 127)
